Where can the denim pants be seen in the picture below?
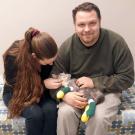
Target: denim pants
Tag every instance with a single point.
(41, 119)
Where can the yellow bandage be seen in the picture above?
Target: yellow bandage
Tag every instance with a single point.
(60, 94)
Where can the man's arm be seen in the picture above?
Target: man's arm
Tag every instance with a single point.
(123, 66)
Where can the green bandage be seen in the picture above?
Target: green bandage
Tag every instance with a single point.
(89, 111)
(62, 92)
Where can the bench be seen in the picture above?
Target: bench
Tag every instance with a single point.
(123, 125)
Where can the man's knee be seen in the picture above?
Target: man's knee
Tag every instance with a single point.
(99, 117)
(66, 110)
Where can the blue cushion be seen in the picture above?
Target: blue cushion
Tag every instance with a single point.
(8, 126)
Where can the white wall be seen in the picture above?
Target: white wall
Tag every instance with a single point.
(55, 17)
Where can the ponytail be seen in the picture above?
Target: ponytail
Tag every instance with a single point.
(28, 89)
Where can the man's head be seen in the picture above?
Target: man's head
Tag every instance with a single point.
(87, 19)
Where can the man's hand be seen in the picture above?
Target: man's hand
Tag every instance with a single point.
(52, 83)
(75, 99)
(85, 82)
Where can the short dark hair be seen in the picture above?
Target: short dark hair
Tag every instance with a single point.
(86, 6)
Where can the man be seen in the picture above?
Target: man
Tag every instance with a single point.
(98, 58)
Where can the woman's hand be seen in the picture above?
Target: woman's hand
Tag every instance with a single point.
(52, 83)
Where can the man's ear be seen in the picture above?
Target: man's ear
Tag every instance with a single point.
(34, 55)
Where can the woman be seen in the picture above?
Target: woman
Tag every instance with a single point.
(27, 65)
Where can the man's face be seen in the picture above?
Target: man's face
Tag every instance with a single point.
(87, 27)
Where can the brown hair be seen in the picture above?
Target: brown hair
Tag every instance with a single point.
(28, 89)
(86, 6)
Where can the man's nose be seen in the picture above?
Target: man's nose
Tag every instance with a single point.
(87, 28)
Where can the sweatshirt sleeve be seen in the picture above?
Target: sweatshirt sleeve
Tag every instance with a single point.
(10, 70)
(10, 73)
(61, 64)
(123, 66)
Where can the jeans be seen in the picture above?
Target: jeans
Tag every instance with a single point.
(41, 119)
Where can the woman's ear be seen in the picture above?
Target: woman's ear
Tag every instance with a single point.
(34, 55)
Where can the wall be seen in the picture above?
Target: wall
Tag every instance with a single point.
(55, 18)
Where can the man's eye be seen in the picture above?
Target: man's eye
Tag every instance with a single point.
(81, 25)
(92, 23)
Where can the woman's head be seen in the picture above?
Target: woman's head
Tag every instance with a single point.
(41, 46)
